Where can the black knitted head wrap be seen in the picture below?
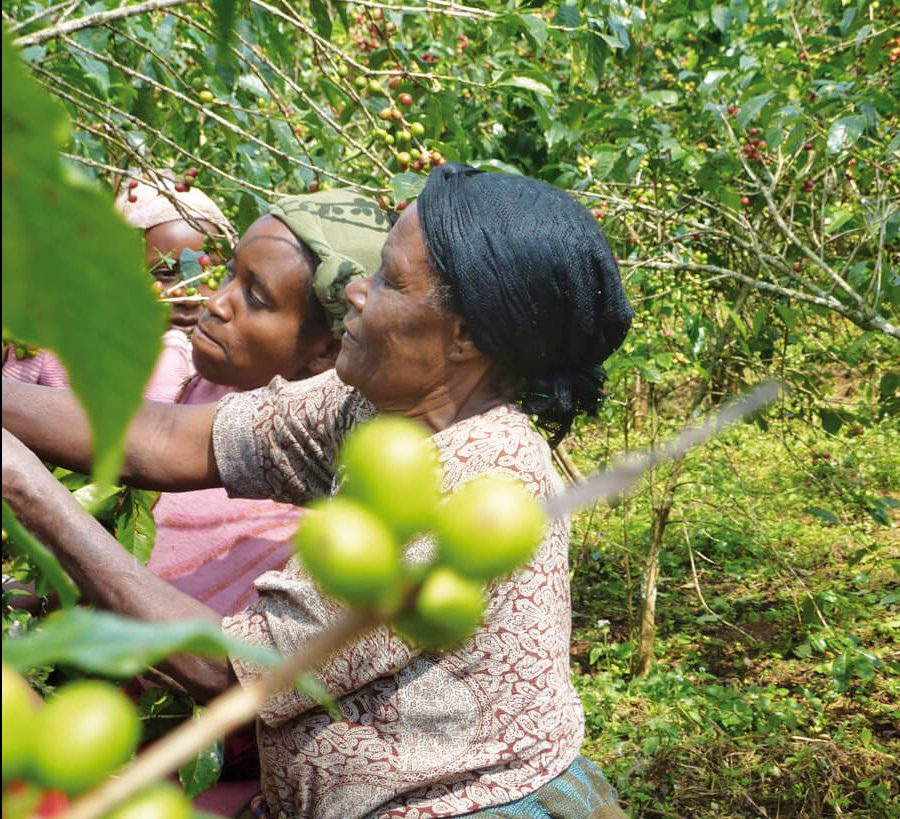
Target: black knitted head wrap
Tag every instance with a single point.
(532, 274)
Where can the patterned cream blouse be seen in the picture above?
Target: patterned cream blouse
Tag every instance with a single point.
(420, 735)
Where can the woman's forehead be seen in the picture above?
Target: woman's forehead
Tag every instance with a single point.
(404, 249)
(266, 227)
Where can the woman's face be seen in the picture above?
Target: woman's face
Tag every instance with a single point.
(394, 348)
(251, 328)
(162, 249)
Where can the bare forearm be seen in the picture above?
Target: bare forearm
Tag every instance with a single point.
(109, 576)
(168, 447)
(50, 422)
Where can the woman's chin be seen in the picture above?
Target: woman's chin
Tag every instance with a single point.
(209, 368)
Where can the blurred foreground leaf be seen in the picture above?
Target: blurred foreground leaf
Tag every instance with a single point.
(103, 643)
(71, 263)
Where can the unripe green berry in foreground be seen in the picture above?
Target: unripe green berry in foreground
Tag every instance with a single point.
(390, 464)
(446, 611)
(87, 730)
(453, 601)
(489, 527)
(159, 801)
(19, 709)
(349, 551)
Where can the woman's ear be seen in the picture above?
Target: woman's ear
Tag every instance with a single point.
(326, 358)
(462, 348)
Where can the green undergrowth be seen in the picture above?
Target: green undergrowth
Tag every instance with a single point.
(775, 688)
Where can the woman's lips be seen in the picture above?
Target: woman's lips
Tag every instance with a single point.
(199, 331)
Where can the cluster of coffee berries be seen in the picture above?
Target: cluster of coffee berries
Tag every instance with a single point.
(187, 180)
(19, 350)
(210, 276)
(352, 545)
(372, 31)
(59, 749)
(754, 149)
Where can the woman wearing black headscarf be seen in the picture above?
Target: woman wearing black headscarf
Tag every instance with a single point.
(497, 300)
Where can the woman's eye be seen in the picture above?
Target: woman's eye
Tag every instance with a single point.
(380, 278)
(254, 300)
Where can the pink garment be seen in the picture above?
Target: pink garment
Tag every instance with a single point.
(44, 368)
(173, 369)
(213, 547)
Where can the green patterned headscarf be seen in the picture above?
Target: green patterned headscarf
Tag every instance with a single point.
(345, 230)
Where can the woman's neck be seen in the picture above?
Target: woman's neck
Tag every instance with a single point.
(454, 401)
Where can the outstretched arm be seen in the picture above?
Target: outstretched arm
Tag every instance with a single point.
(107, 575)
(168, 447)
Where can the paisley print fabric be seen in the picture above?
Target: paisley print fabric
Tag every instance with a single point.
(419, 735)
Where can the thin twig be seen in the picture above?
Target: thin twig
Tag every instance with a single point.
(93, 20)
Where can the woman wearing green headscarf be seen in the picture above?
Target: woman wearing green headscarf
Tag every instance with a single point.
(276, 314)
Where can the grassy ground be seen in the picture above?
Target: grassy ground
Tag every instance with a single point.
(775, 691)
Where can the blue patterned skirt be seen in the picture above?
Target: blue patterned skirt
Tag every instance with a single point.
(581, 791)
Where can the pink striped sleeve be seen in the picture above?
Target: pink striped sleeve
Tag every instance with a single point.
(42, 368)
(53, 374)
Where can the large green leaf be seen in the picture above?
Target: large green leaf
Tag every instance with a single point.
(528, 84)
(844, 133)
(202, 772)
(135, 526)
(72, 278)
(103, 643)
(751, 108)
(407, 185)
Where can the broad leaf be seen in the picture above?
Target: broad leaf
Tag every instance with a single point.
(824, 514)
(844, 133)
(721, 17)
(528, 84)
(103, 643)
(203, 771)
(75, 264)
(567, 15)
(225, 16)
(751, 108)
(407, 186)
(322, 17)
(135, 526)
(99, 499)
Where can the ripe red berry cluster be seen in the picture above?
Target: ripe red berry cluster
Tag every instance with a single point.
(372, 31)
(755, 148)
(187, 180)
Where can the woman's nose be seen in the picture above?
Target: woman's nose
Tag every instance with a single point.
(219, 304)
(355, 293)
